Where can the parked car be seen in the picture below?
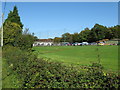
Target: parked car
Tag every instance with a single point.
(69, 44)
(101, 43)
(75, 44)
(79, 44)
(85, 43)
(93, 43)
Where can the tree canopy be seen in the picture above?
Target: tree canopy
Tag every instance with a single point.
(11, 33)
(98, 32)
(14, 17)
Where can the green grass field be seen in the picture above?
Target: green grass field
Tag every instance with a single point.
(81, 55)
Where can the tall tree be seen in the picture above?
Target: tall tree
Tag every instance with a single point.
(12, 28)
(75, 37)
(84, 35)
(11, 33)
(67, 37)
(14, 17)
(99, 31)
(115, 31)
(57, 39)
(108, 33)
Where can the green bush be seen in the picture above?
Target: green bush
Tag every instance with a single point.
(25, 41)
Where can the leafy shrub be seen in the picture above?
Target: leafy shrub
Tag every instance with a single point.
(16, 58)
(97, 65)
(25, 41)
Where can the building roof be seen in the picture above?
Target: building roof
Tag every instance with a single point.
(44, 40)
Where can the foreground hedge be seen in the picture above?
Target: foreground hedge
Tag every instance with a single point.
(40, 73)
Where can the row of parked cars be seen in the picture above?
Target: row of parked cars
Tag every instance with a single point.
(80, 44)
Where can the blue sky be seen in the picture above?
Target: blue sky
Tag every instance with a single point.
(50, 19)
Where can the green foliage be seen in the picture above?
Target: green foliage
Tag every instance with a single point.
(67, 37)
(97, 65)
(109, 34)
(35, 38)
(98, 32)
(57, 39)
(0, 35)
(11, 33)
(115, 31)
(15, 60)
(14, 17)
(26, 40)
(15, 55)
(76, 37)
(9, 76)
(42, 73)
(84, 35)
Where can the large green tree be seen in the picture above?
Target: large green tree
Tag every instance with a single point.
(11, 33)
(75, 37)
(67, 37)
(109, 33)
(98, 32)
(14, 17)
(115, 31)
(12, 28)
(57, 39)
(84, 35)
(26, 40)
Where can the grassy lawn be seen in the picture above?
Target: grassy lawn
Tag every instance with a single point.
(81, 55)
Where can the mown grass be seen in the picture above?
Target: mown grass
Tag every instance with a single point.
(81, 55)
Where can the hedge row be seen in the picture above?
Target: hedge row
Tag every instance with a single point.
(40, 73)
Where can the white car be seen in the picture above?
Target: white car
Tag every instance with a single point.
(85, 43)
(79, 44)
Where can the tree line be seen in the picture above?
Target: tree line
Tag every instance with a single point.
(13, 33)
(98, 32)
